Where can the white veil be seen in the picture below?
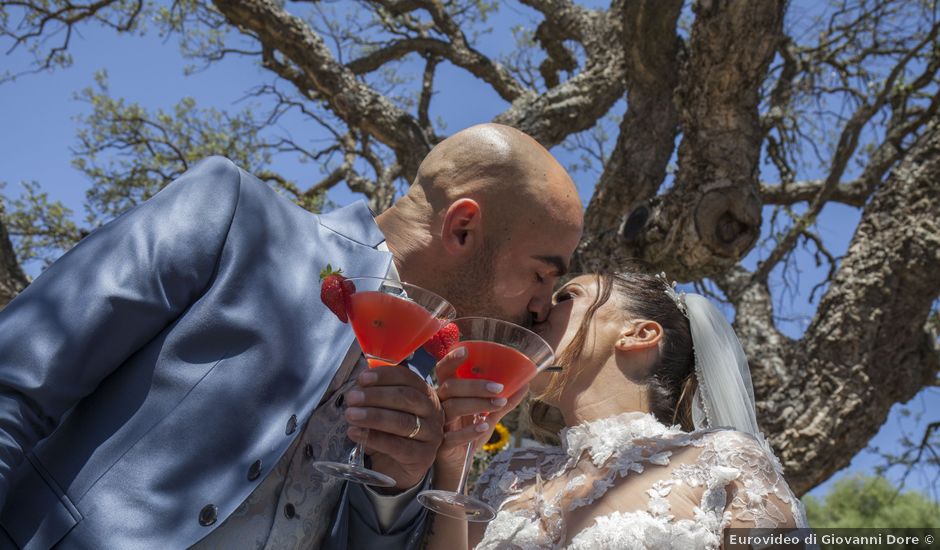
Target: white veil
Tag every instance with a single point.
(725, 396)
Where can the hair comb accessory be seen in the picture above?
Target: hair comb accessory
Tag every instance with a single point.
(670, 290)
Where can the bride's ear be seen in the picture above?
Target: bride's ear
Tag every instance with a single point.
(639, 335)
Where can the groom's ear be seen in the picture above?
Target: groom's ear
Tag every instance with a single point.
(640, 334)
(462, 230)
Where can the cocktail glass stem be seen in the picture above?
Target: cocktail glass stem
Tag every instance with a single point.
(468, 459)
(357, 455)
(356, 458)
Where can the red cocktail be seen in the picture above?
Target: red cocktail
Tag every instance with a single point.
(496, 363)
(389, 328)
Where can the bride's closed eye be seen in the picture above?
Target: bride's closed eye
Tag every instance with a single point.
(562, 295)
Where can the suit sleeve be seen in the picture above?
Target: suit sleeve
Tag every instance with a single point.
(106, 298)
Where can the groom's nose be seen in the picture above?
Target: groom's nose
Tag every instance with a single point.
(539, 307)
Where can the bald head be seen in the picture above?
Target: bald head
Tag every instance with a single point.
(500, 167)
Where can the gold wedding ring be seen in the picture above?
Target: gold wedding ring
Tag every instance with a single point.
(417, 429)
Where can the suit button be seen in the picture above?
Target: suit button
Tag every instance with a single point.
(289, 511)
(208, 515)
(308, 450)
(291, 424)
(254, 471)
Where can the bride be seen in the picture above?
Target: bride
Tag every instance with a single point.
(660, 446)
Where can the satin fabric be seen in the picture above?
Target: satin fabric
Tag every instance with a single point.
(144, 372)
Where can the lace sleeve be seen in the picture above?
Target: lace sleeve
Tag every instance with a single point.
(488, 486)
(759, 496)
(506, 475)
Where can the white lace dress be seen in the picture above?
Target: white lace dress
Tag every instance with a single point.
(629, 481)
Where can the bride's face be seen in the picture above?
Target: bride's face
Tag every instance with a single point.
(571, 305)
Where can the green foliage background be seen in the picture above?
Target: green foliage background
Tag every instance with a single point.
(870, 501)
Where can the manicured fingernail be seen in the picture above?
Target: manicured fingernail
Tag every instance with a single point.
(493, 387)
(368, 377)
(353, 431)
(355, 397)
(482, 427)
(355, 413)
(460, 353)
(499, 401)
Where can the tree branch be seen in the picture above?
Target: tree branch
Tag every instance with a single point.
(458, 50)
(352, 100)
(427, 91)
(848, 141)
(579, 102)
(647, 133)
(64, 15)
(852, 193)
(874, 314)
(571, 21)
(465, 57)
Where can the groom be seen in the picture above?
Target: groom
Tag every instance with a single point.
(169, 380)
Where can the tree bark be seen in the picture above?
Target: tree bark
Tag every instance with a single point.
(577, 104)
(822, 398)
(711, 217)
(12, 278)
(638, 164)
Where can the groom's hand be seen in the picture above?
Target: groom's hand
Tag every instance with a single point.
(461, 400)
(386, 401)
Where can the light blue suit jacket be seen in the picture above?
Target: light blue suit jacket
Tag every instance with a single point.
(143, 373)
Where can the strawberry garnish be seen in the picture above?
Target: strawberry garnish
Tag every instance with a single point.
(443, 341)
(335, 291)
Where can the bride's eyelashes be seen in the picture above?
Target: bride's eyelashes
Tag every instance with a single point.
(562, 295)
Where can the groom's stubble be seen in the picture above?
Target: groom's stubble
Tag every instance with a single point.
(472, 288)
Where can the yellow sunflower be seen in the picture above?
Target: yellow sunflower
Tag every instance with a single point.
(499, 440)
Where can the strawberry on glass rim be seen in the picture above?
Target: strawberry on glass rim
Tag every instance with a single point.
(336, 291)
(443, 341)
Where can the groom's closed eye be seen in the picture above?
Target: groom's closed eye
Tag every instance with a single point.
(556, 264)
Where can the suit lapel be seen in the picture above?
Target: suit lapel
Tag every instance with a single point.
(355, 222)
(349, 236)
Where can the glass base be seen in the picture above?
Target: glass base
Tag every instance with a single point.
(456, 505)
(356, 474)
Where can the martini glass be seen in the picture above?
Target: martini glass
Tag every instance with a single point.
(500, 352)
(391, 320)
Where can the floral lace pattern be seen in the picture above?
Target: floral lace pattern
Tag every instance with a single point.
(651, 486)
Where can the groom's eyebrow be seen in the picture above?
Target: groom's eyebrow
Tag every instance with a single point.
(555, 262)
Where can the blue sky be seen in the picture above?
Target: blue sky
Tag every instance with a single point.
(38, 115)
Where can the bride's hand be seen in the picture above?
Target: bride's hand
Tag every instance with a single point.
(461, 400)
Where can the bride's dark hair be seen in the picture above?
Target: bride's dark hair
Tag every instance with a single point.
(671, 382)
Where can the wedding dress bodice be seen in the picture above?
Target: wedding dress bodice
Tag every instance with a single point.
(629, 481)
